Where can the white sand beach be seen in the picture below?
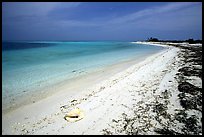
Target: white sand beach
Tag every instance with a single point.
(120, 100)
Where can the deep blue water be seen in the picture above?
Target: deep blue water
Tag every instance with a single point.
(24, 45)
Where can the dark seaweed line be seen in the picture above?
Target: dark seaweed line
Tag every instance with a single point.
(192, 55)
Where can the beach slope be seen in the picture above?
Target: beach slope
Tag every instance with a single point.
(142, 99)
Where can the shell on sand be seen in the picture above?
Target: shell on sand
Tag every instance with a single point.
(74, 115)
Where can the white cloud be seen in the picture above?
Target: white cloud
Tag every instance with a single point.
(172, 7)
(136, 18)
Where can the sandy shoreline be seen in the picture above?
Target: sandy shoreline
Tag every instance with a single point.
(70, 85)
(126, 98)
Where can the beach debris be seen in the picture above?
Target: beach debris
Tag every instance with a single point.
(74, 115)
(187, 87)
(166, 131)
(74, 100)
(101, 88)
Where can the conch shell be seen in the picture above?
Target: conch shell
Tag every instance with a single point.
(74, 115)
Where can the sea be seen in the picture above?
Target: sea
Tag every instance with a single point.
(29, 66)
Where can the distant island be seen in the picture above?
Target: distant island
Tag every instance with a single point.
(190, 40)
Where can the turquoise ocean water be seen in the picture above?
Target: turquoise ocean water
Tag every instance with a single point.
(30, 66)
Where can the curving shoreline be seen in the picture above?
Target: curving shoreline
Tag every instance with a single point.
(70, 85)
(29, 80)
(138, 100)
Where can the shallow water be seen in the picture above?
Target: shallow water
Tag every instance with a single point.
(31, 66)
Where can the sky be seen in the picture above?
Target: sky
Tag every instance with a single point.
(101, 21)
